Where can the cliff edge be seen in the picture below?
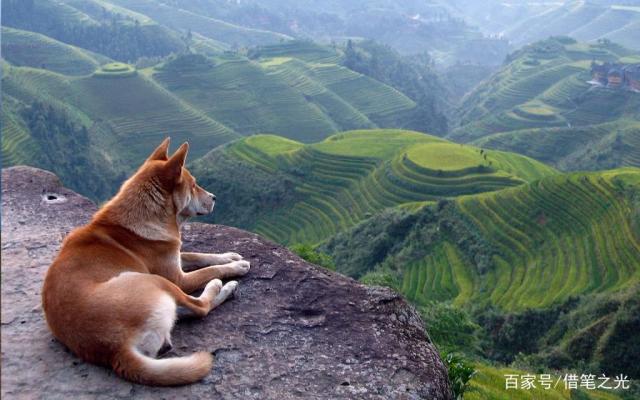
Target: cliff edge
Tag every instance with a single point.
(293, 330)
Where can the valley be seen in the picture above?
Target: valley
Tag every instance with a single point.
(325, 187)
(482, 159)
(541, 104)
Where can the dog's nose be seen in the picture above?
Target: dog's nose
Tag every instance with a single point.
(213, 196)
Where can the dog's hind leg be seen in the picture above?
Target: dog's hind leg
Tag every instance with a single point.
(194, 280)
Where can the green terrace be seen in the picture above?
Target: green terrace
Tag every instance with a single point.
(348, 177)
(544, 108)
(249, 96)
(554, 238)
(22, 48)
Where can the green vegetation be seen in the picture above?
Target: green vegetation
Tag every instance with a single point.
(112, 33)
(115, 70)
(206, 100)
(22, 48)
(531, 246)
(117, 113)
(583, 20)
(450, 327)
(308, 253)
(411, 77)
(544, 276)
(319, 98)
(181, 18)
(305, 194)
(460, 374)
(55, 143)
(548, 111)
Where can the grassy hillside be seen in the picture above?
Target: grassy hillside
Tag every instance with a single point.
(530, 246)
(582, 20)
(182, 19)
(548, 270)
(48, 137)
(250, 95)
(208, 100)
(111, 31)
(540, 105)
(22, 48)
(121, 108)
(245, 96)
(18, 147)
(296, 193)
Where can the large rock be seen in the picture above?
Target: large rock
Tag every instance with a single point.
(293, 330)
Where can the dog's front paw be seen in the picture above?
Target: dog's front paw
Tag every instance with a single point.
(229, 288)
(226, 258)
(225, 293)
(241, 267)
(213, 287)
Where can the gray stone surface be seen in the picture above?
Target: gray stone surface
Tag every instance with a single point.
(292, 331)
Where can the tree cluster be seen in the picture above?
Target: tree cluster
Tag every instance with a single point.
(414, 78)
(115, 36)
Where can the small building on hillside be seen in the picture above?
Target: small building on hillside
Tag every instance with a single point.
(616, 75)
(599, 72)
(632, 76)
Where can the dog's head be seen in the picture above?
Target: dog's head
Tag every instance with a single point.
(170, 173)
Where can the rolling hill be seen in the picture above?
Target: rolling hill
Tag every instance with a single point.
(581, 20)
(120, 107)
(297, 89)
(530, 246)
(30, 49)
(410, 27)
(183, 19)
(526, 22)
(113, 32)
(296, 193)
(549, 270)
(540, 105)
(250, 96)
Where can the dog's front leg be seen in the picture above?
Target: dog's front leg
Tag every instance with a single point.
(199, 260)
(194, 280)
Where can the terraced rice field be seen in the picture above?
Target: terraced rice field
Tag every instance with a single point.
(544, 108)
(301, 100)
(129, 107)
(442, 275)
(585, 21)
(22, 48)
(349, 176)
(242, 95)
(182, 19)
(17, 145)
(632, 140)
(303, 50)
(554, 238)
(115, 70)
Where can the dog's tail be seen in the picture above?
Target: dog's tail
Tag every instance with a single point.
(136, 367)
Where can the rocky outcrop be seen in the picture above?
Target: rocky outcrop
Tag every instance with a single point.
(293, 330)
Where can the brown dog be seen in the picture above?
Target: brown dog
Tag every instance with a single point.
(111, 294)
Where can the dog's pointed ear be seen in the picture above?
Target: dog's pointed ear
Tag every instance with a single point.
(161, 152)
(176, 162)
